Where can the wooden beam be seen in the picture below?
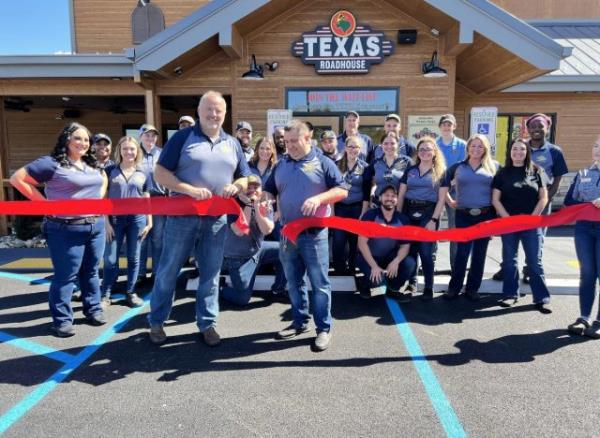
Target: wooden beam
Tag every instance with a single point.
(153, 111)
(231, 42)
(456, 39)
(3, 163)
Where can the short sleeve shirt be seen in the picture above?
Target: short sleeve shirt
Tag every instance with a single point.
(354, 180)
(384, 174)
(550, 158)
(420, 187)
(366, 152)
(382, 247)
(147, 165)
(519, 190)
(473, 186)
(247, 245)
(120, 186)
(586, 185)
(454, 152)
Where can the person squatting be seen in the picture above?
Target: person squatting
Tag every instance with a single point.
(287, 176)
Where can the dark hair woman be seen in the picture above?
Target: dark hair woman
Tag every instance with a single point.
(76, 242)
(519, 188)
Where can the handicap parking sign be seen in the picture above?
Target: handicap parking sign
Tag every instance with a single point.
(483, 128)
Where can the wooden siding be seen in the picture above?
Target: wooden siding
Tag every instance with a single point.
(105, 25)
(69, 87)
(552, 9)
(577, 117)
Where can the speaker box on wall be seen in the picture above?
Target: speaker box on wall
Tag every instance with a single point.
(407, 36)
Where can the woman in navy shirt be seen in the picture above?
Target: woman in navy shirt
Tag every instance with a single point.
(473, 204)
(264, 159)
(353, 169)
(76, 243)
(125, 180)
(519, 188)
(586, 188)
(422, 200)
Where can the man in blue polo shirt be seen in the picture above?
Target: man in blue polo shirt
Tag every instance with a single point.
(306, 183)
(198, 162)
(383, 260)
(351, 125)
(454, 150)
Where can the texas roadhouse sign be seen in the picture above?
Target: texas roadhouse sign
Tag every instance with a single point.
(342, 47)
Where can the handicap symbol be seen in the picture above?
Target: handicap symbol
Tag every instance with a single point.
(483, 128)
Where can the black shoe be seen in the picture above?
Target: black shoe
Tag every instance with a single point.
(472, 295)
(526, 274)
(96, 319)
(451, 294)
(77, 296)
(291, 332)
(427, 294)
(498, 276)
(398, 296)
(578, 327)
(365, 292)
(543, 308)
(64, 331)
(133, 300)
(507, 301)
(279, 295)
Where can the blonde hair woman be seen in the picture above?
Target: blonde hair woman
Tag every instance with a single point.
(422, 199)
(472, 179)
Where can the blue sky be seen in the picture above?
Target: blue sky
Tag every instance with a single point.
(32, 27)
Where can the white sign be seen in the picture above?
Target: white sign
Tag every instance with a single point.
(423, 126)
(483, 121)
(277, 118)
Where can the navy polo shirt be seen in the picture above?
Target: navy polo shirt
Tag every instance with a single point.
(420, 187)
(405, 147)
(71, 182)
(550, 158)
(148, 164)
(454, 152)
(354, 180)
(245, 246)
(294, 181)
(119, 186)
(382, 174)
(263, 177)
(473, 187)
(383, 246)
(585, 186)
(366, 151)
(194, 159)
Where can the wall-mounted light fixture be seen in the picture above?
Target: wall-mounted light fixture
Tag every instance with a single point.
(256, 72)
(431, 69)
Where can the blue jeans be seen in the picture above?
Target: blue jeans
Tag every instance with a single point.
(341, 238)
(243, 270)
(310, 255)
(206, 234)
(405, 269)
(533, 242)
(587, 245)
(425, 251)
(125, 228)
(75, 251)
(477, 249)
(155, 240)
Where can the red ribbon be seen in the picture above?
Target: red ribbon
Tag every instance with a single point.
(489, 228)
(171, 206)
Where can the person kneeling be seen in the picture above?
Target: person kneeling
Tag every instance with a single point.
(384, 260)
(244, 254)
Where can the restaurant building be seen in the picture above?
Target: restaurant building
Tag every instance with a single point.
(138, 61)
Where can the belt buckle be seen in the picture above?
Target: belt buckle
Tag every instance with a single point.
(475, 211)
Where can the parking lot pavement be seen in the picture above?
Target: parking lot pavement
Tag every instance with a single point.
(418, 369)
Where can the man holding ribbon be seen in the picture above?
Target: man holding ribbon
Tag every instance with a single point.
(199, 162)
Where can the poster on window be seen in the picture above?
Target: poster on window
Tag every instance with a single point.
(277, 118)
(423, 126)
(483, 121)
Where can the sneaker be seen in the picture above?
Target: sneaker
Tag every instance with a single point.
(105, 302)
(507, 301)
(543, 308)
(322, 341)
(291, 332)
(578, 327)
(398, 296)
(411, 288)
(472, 295)
(133, 300)
(427, 294)
(64, 331)
(593, 331)
(498, 276)
(96, 319)
(77, 296)
(211, 337)
(526, 274)
(451, 294)
(157, 334)
(279, 295)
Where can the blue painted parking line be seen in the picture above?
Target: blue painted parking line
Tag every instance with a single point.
(35, 348)
(30, 401)
(443, 409)
(25, 278)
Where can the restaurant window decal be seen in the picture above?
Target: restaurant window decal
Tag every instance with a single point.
(316, 101)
